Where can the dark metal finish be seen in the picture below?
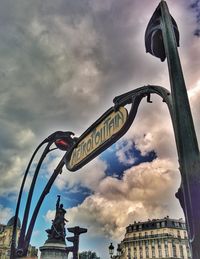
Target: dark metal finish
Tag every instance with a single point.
(119, 250)
(153, 36)
(186, 141)
(64, 141)
(111, 250)
(14, 233)
(185, 136)
(46, 190)
(50, 139)
(75, 239)
(77, 230)
(30, 194)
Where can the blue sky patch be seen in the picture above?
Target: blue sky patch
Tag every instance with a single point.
(115, 167)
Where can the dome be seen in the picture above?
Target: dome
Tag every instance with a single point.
(11, 222)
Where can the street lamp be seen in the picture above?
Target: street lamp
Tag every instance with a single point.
(119, 251)
(111, 250)
(129, 252)
(165, 45)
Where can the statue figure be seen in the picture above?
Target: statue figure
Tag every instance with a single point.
(57, 232)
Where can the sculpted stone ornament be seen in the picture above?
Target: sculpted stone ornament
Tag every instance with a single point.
(57, 232)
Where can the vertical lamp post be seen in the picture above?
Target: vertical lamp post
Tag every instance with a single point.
(119, 251)
(129, 252)
(111, 250)
(162, 40)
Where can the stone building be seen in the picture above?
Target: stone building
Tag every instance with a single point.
(5, 240)
(157, 238)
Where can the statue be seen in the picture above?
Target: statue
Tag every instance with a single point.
(57, 232)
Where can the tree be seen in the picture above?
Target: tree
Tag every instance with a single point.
(88, 255)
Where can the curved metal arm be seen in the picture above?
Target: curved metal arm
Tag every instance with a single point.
(141, 92)
(22, 251)
(13, 242)
(135, 96)
(30, 194)
(50, 139)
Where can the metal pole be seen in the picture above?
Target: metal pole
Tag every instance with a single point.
(186, 141)
(13, 242)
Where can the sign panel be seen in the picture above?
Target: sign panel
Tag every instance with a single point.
(98, 136)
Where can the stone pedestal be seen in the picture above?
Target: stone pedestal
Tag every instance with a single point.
(53, 251)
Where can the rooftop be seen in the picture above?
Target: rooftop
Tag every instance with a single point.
(11, 222)
(156, 224)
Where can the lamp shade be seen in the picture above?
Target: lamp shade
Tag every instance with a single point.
(111, 249)
(154, 35)
(119, 250)
(63, 140)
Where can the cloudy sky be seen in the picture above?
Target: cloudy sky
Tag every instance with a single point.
(62, 62)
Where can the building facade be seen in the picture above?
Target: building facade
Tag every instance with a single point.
(6, 237)
(157, 238)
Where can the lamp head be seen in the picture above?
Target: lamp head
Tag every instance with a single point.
(119, 250)
(111, 249)
(64, 140)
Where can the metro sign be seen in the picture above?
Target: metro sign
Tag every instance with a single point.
(111, 126)
(97, 137)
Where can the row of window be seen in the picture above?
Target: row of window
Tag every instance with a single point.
(152, 242)
(152, 234)
(152, 254)
(161, 253)
(157, 225)
(157, 242)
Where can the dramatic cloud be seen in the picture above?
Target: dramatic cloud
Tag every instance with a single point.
(87, 177)
(145, 191)
(56, 58)
(196, 8)
(62, 63)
